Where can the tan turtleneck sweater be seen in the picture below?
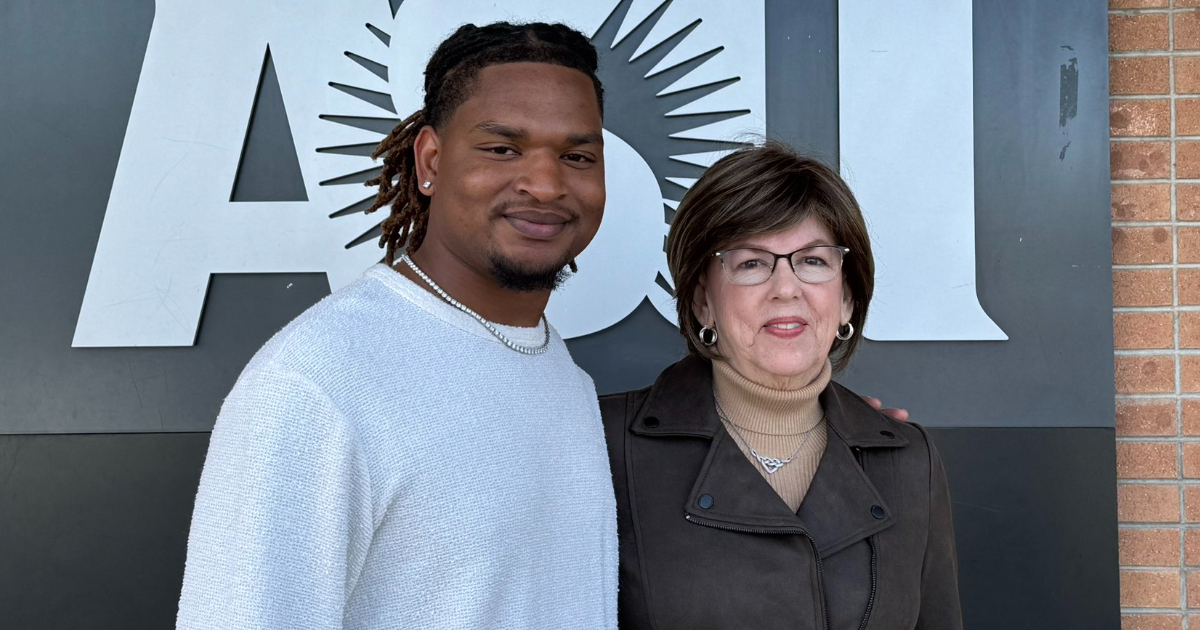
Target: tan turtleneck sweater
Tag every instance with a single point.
(775, 422)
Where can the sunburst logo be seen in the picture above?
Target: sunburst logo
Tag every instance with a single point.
(659, 136)
(683, 78)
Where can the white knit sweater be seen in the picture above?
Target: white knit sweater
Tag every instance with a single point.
(385, 462)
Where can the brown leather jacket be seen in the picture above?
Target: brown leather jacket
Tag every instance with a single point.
(706, 543)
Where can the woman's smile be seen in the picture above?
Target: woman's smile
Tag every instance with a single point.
(786, 327)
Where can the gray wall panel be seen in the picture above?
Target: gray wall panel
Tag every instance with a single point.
(93, 528)
(1035, 518)
(1042, 229)
(802, 76)
(1042, 237)
(63, 111)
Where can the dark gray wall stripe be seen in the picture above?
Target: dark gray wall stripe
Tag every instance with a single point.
(94, 527)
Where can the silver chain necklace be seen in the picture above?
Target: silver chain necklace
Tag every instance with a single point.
(479, 318)
(769, 464)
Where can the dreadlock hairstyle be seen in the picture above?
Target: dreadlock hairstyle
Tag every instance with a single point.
(450, 77)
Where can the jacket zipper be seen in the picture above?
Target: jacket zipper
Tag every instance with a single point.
(874, 560)
(874, 583)
(816, 554)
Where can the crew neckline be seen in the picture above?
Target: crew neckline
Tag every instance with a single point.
(435, 306)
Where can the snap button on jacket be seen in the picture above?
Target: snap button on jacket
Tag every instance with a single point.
(705, 541)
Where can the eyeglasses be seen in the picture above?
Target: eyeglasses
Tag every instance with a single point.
(813, 265)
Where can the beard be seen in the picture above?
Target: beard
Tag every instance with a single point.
(515, 277)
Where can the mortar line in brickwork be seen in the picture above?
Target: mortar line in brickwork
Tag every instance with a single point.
(1145, 97)
(1153, 525)
(1171, 483)
(1120, 139)
(1159, 352)
(1182, 180)
(1156, 309)
(1158, 52)
(1153, 611)
(1159, 397)
(1182, 439)
(1183, 585)
(1153, 266)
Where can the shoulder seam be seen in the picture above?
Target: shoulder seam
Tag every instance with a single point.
(284, 371)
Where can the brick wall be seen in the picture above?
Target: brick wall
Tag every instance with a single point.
(1154, 73)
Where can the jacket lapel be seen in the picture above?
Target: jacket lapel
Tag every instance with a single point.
(737, 495)
(842, 505)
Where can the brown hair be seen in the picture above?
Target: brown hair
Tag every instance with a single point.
(762, 190)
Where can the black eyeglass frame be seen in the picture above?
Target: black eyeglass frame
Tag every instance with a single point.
(774, 263)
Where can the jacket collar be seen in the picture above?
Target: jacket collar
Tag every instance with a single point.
(841, 507)
(681, 403)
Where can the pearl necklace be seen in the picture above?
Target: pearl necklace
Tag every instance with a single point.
(479, 318)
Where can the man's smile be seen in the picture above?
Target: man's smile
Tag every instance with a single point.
(537, 224)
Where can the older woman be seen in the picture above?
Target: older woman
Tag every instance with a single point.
(753, 491)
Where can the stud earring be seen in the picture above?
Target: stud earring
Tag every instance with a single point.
(426, 185)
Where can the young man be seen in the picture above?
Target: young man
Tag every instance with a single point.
(418, 450)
